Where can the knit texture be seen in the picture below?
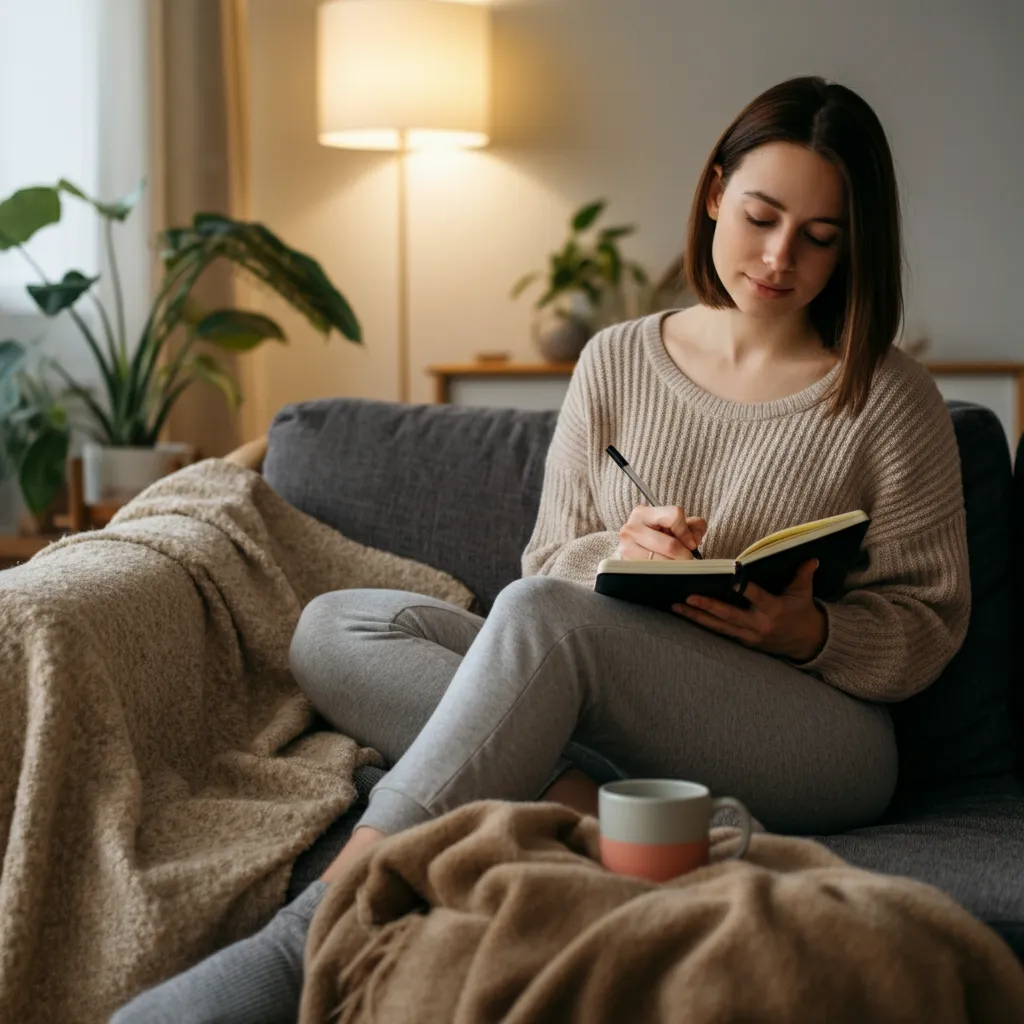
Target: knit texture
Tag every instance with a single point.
(160, 770)
(500, 911)
(752, 468)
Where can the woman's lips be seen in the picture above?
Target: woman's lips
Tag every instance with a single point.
(767, 291)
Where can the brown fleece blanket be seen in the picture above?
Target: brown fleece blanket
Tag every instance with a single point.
(158, 776)
(500, 912)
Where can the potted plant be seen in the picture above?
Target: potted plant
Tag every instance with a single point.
(34, 432)
(140, 384)
(585, 285)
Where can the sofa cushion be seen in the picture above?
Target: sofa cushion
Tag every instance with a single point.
(960, 726)
(971, 848)
(455, 487)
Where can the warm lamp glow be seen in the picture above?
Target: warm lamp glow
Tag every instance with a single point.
(412, 69)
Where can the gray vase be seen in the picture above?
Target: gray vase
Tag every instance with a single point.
(561, 329)
(561, 339)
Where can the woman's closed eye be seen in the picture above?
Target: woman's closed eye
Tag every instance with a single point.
(823, 243)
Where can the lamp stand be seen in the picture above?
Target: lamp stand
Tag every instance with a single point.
(403, 274)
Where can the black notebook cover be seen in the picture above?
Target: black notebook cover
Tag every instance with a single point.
(839, 553)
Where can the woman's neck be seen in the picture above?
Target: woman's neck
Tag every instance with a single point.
(743, 342)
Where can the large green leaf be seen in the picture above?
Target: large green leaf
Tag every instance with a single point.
(237, 330)
(55, 298)
(210, 225)
(26, 212)
(177, 244)
(610, 234)
(12, 355)
(118, 210)
(297, 278)
(43, 469)
(207, 368)
(586, 215)
(9, 398)
(7, 465)
(562, 278)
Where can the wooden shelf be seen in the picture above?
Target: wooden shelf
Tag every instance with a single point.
(445, 373)
(501, 368)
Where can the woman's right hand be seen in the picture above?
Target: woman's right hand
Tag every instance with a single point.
(666, 530)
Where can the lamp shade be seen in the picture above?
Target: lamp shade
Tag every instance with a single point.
(412, 71)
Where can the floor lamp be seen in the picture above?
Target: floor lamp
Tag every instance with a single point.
(403, 75)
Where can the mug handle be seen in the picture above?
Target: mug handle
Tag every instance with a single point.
(746, 827)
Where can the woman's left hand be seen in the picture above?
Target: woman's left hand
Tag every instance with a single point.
(790, 623)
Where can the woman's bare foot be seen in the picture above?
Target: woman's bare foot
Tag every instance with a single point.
(360, 839)
(575, 790)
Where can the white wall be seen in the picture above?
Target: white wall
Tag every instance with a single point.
(624, 98)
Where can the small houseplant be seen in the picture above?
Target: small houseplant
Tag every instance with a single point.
(141, 384)
(586, 285)
(35, 426)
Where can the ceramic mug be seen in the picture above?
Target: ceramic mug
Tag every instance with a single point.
(658, 828)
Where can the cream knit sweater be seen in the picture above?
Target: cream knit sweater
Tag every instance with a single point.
(750, 469)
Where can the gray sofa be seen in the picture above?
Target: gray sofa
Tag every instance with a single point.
(458, 488)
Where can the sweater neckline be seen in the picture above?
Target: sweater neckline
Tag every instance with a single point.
(714, 405)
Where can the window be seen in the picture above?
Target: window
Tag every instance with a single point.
(49, 127)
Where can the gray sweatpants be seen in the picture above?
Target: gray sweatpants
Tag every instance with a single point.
(465, 708)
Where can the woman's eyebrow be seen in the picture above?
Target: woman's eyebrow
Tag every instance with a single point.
(778, 206)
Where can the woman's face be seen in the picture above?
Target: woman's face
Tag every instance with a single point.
(779, 230)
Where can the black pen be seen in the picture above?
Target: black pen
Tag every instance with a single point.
(641, 486)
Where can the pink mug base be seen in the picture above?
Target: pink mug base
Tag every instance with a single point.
(655, 862)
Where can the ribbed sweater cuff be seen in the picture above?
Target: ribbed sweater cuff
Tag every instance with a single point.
(842, 643)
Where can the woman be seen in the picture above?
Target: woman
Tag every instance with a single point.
(777, 399)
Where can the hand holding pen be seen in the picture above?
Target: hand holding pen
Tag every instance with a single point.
(662, 531)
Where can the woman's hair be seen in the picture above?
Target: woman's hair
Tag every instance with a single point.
(859, 311)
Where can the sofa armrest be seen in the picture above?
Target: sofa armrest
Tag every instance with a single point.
(249, 455)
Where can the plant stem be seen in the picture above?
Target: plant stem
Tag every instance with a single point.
(108, 329)
(176, 363)
(165, 408)
(94, 407)
(145, 357)
(32, 263)
(115, 279)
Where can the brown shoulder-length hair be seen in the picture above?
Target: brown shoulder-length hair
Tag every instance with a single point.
(859, 311)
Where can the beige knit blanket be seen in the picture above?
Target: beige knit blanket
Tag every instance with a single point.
(157, 775)
(499, 912)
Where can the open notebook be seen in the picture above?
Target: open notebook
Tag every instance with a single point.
(770, 562)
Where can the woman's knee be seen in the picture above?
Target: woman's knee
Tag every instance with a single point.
(310, 652)
(322, 647)
(538, 594)
(333, 655)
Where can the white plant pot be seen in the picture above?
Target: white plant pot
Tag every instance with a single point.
(115, 475)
